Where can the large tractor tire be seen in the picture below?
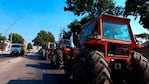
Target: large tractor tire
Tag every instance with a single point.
(46, 55)
(59, 60)
(68, 67)
(140, 69)
(54, 59)
(43, 54)
(93, 69)
(68, 63)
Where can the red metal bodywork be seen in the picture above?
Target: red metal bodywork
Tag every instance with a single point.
(66, 50)
(103, 42)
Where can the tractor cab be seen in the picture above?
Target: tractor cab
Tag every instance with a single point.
(105, 54)
(111, 35)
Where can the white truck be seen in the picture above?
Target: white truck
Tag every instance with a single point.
(16, 49)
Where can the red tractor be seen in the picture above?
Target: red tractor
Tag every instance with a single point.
(105, 54)
(62, 52)
(48, 51)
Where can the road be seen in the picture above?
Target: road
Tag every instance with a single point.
(30, 69)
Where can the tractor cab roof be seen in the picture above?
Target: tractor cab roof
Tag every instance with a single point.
(109, 18)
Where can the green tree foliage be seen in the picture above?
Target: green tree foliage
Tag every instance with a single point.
(16, 38)
(93, 8)
(118, 10)
(29, 46)
(143, 36)
(43, 38)
(65, 34)
(85, 20)
(2, 39)
(138, 8)
(75, 28)
(90, 8)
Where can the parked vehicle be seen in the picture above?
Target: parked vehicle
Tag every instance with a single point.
(105, 54)
(47, 50)
(62, 52)
(18, 49)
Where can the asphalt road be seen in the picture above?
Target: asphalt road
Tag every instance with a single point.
(4, 57)
(30, 69)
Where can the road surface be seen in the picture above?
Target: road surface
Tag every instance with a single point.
(30, 70)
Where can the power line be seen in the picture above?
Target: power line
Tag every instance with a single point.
(13, 24)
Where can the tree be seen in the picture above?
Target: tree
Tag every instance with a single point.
(138, 8)
(2, 38)
(29, 46)
(75, 28)
(143, 36)
(16, 38)
(65, 34)
(43, 38)
(93, 8)
(118, 10)
(2, 43)
(85, 20)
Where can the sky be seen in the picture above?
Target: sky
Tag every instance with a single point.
(28, 17)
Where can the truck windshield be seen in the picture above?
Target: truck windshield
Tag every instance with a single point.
(51, 46)
(66, 44)
(16, 45)
(115, 30)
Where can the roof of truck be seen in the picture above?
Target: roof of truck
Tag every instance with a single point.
(17, 44)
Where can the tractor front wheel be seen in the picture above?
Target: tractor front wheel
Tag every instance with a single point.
(140, 69)
(99, 68)
(92, 68)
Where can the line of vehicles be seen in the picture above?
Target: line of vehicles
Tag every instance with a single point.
(104, 54)
(18, 49)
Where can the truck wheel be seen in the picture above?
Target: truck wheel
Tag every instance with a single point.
(53, 59)
(95, 67)
(140, 69)
(60, 59)
(43, 54)
(46, 55)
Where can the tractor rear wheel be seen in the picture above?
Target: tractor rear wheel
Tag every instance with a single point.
(43, 54)
(93, 68)
(67, 67)
(60, 62)
(46, 55)
(53, 59)
(140, 69)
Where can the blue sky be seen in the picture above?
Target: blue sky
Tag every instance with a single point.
(28, 17)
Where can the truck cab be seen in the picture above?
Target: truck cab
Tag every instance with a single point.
(16, 49)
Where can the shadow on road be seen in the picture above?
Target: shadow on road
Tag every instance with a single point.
(56, 79)
(47, 79)
(33, 57)
(5, 55)
(42, 66)
(25, 82)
